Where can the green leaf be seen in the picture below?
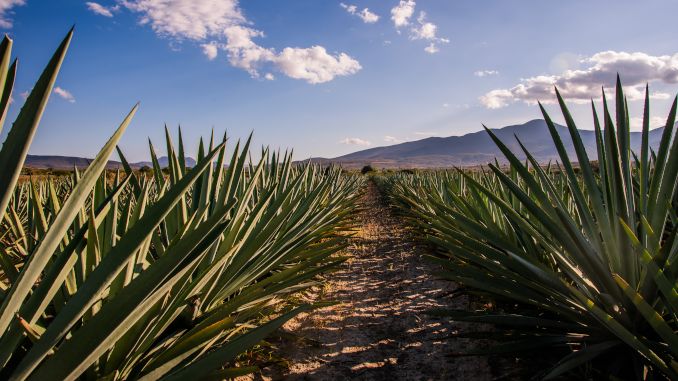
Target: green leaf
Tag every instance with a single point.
(15, 148)
(71, 207)
(110, 266)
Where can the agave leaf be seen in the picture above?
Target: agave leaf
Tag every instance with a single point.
(650, 314)
(228, 351)
(7, 92)
(115, 317)
(109, 268)
(230, 373)
(15, 148)
(578, 358)
(129, 172)
(7, 74)
(43, 253)
(644, 168)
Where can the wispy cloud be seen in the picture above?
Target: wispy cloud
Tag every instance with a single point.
(485, 73)
(65, 94)
(431, 48)
(6, 11)
(456, 106)
(392, 139)
(423, 29)
(426, 30)
(581, 85)
(636, 123)
(355, 142)
(102, 10)
(366, 15)
(428, 134)
(221, 26)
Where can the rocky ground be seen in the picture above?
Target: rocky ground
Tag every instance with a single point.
(379, 330)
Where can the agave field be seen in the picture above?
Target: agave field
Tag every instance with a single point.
(178, 272)
(582, 255)
(155, 277)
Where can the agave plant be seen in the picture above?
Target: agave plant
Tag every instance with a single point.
(169, 276)
(587, 251)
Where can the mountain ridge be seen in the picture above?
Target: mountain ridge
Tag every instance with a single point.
(477, 148)
(69, 162)
(472, 149)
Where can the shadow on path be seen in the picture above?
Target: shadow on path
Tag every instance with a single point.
(379, 330)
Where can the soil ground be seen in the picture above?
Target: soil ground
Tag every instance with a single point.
(379, 329)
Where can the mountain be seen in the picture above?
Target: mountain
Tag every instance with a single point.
(163, 161)
(477, 148)
(68, 162)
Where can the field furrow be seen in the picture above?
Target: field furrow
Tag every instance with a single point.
(379, 329)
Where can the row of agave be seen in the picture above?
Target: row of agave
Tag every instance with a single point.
(588, 253)
(166, 276)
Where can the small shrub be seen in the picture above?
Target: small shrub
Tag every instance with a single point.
(367, 169)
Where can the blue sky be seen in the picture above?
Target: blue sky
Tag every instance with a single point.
(326, 78)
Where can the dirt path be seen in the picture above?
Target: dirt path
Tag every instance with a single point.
(379, 331)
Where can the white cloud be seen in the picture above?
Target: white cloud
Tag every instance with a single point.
(5, 11)
(427, 133)
(314, 64)
(401, 13)
(581, 85)
(485, 73)
(366, 15)
(243, 52)
(636, 123)
(427, 31)
(269, 76)
(392, 139)
(195, 20)
(223, 24)
(355, 142)
(352, 9)
(65, 94)
(497, 98)
(431, 48)
(210, 50)
(102, 10)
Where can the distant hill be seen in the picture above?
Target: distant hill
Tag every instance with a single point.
(477, 148)
(68, 162)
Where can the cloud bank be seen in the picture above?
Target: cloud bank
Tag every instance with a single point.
(580, 86)
(221, 26)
